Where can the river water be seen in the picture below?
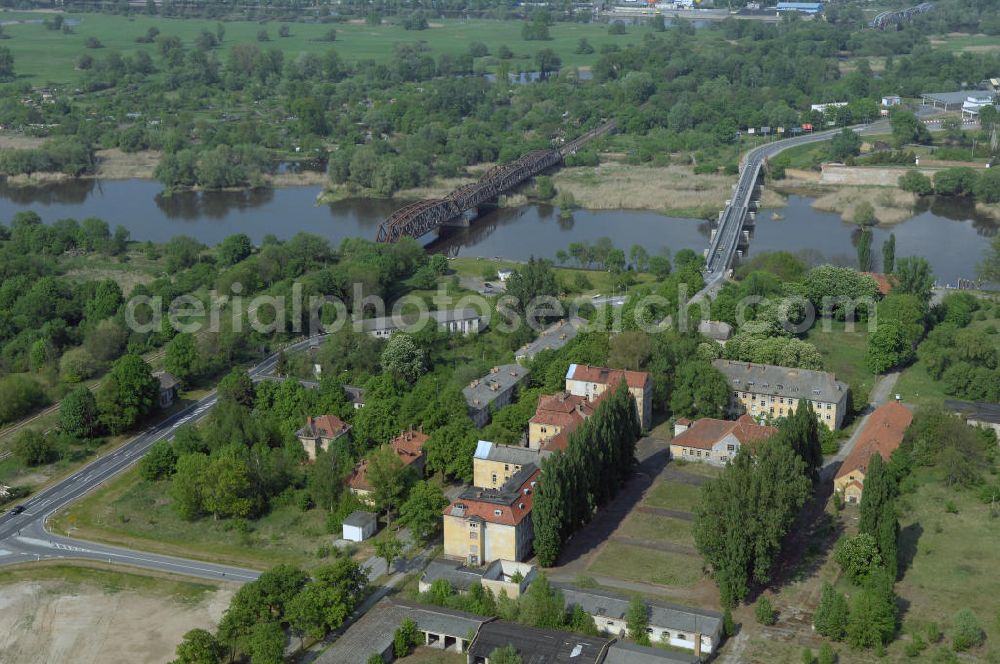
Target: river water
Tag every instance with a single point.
(948, 233)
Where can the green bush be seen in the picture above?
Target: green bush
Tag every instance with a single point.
(765, 612)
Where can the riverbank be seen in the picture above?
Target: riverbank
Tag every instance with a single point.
(892, 205)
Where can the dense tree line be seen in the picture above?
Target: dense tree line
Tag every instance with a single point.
(584, 476)
(283, 599)
(746, 512)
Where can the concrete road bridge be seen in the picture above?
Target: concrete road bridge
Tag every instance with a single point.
(731, 238)
(418, 219)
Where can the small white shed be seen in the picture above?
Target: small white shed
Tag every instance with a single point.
(359, 526)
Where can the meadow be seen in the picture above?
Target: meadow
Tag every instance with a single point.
(44, 56)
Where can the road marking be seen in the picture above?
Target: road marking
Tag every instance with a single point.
(4, 552)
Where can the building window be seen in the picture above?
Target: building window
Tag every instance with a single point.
(494, 478)
(473, 535)
(473, 525)
(497, 512)
(827, 417)
(473, 549)
(829, 406)
(731, 448)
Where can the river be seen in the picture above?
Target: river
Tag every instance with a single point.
(949, 233)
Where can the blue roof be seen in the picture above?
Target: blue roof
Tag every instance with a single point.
(483, 449)
(570, 372)
(806, 6)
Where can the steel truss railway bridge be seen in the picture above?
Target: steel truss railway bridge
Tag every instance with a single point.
(420, 218)
(894, 20)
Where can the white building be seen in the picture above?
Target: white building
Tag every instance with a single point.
(359, 526)
(453, 321)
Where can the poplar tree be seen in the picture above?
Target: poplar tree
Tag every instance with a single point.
(878, 512)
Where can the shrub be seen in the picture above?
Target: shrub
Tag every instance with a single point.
(765, 612)
(966, 632)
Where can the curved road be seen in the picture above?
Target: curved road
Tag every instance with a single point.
(723, 246)
(24, 537)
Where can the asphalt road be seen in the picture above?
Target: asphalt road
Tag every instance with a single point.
(24, 537)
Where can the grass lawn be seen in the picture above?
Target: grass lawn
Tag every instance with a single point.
(161, 585)
(918, 388)
(48, 56)
(132, 512)
(959, 42)
(953, 559)
(678, 496)
(844, 354)
(642, 525)
(635, 563)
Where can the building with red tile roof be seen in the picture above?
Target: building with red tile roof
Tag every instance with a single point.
(882, 434)
(483, 525)
(556, 412)
(590, 382)
(319, 432)
(884, 284)
(716, 441)
(409, 447)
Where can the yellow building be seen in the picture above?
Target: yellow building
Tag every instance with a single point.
(483, 525)
(493, 465)
(591, 382)
(882, 434)
(764, 390)
(557, 413)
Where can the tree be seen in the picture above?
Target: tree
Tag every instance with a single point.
(826, 654)
(764, 612)
(326, 602)
(914, 275)
(583, 47)
(907, 128)
(872, 620)
(237, 388)
(421, 512)
(199, 647)
(127, 394)
(845, 144)
(865, 251)
(33, 448)
(700, 390)
(159, 462)
(830, 618)
(234, 249)
(547, 60)
(390, 480)
(637, 620)
(989, 268)
(106, 341)
(542, 605)
(389, 550)
(858, 556)
(505, 655)
(728, 626)
(403, 358)
(987, 186)
(864, 214)
(917, 183)
(6, 64)
(877, 511)
(746, 511)
(266, 643)
(78, 414)
(531, 281)
(966, 632)
(181, 357)
(887, 347)
(889, 254)
(955, 181)
(406, 638)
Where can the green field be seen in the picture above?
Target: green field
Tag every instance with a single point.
(645, 526)
(48, 56)
(135, 513)
(678, 496)
(187, 592)
(843, 353)
(635, 563)
(959, 42)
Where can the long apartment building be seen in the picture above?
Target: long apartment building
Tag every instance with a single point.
(765, 390)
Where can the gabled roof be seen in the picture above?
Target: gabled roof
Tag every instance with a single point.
(520, 456)
(621, 652)
(605, 376)
(409, 447)
(781, 381)
(323, 426)
(882, 434)
(507, 506)
(884, 285)
(167, 380)
(538, 646)
(662, 615)
(708, 431)
(562, 410)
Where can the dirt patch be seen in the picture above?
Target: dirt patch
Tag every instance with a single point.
(305, 178)
(113, 164)
(614, 186)
(51, 621)
(20, 142)
(892, 205)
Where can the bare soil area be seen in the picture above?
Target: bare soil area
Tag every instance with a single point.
(87, 620)
(113, 164)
